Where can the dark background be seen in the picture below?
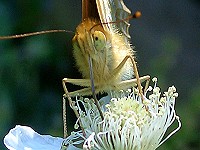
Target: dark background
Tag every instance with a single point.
(166, 37)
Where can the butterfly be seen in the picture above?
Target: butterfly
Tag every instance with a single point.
(102, 50)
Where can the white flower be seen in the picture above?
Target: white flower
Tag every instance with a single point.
(129, 124)
(25, 138)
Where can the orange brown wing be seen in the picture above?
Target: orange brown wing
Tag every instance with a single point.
(89, 9)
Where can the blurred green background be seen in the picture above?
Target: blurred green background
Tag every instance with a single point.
(167, 40)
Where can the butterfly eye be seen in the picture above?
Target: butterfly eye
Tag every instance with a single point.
(99, 40)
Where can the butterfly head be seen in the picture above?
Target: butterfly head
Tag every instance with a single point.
(90, 38)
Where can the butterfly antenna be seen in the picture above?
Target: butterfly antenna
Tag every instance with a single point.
(137, 14)
(32, 34)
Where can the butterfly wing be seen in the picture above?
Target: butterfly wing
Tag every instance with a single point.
(112, 11)
(89, 9)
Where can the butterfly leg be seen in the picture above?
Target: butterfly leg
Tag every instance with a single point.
(147, 84)
(119, 67)
(132, 82)
(81, 82)
(85, 91)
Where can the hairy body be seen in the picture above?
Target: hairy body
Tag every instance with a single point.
(110, 55)
(107, 50)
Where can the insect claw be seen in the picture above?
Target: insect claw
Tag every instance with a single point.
(64, 96)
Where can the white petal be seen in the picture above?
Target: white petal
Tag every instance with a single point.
(25, 138)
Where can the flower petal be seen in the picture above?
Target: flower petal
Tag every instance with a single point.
(25, 138)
